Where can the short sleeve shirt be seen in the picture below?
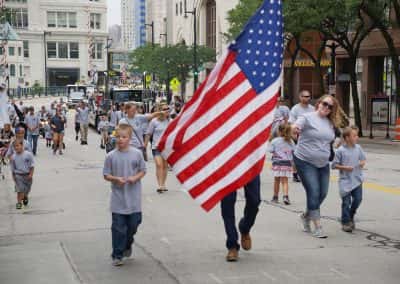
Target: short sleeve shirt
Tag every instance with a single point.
(32, 121)
(349, 156)
(314, 141)
(128, 198)
(59, 123)
(298, 111)
(157, 128)
(22, 163)
(137, 124)
(83, 114)
(281, 150)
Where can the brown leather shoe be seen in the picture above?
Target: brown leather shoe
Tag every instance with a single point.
(232, 255)
(245, 241)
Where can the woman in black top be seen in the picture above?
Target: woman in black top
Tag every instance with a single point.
(58, 123)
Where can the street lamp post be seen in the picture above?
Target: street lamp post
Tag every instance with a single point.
(108, 45)
(45, 62)
(167, 64)
(195, 71)
(152, 32)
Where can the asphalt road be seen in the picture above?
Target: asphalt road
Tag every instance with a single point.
(64, 235)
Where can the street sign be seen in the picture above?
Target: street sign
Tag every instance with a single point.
(175, 84)
(148, 78)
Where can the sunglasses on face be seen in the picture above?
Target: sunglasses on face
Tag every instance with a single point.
(165, 109)
(307, 97)
(327, 105)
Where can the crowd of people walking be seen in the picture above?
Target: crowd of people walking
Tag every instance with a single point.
(302, 147)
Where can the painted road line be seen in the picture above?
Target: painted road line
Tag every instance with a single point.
(341, 274)
(215, 278)
(375, 186)
(266, 274)
(366, 185)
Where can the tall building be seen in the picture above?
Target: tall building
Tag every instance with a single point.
(114, 32)
(133, 13)
(157, 13)
(69, 35)
(211, 25)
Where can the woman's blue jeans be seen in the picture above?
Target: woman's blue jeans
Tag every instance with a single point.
(316, 184)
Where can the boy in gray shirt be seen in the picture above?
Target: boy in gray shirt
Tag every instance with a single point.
(350, 161)
(124, 167)
(22, 166)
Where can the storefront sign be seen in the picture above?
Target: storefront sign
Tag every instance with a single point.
(307, 63)
(380, 110)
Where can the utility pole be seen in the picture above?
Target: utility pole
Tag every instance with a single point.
(195, 68)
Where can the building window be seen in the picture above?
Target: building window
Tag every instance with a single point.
(72, 20)
(51, 19)
(26, 49)
(19, 51)
(61, 19)
(211, 19)
(181, 8)
(63, 50)
(99, 50)
(20, 71)
(177, 9)
(18, 18)
(52, 49)
(73, 50)
(95, 21)
(11, 51)
(12, 70)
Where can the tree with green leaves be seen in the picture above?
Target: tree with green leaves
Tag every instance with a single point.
(170, 61)
(378, 12)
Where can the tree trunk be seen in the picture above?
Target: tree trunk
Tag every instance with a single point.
(354, 93)
(320, 77)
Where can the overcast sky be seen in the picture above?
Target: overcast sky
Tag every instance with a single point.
(114, 12)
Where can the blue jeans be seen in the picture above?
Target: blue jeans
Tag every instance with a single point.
(123, 228)
(253, 200)
(33, 140)
(350, 204)
(316, 184)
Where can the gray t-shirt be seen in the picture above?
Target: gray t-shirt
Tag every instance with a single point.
(298, 110)
(22, 163)
(128, 198)
(113, 118)
(32, 121)
(11, 150)
(349, 156)
(137, 124)
(281, 150)
(157, 128)
(316, 134)
(83, 115)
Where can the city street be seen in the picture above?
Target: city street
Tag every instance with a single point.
(64, 235)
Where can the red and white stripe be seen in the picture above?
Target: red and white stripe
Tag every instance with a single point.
(218, 142)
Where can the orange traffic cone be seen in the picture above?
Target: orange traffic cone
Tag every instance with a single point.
(397, 131)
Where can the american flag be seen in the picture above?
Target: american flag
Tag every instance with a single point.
(218, 142)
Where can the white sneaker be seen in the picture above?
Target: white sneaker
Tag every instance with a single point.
(319, 233)
(117, 262)
(306, 223)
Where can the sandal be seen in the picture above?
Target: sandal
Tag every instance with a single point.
(160, 190)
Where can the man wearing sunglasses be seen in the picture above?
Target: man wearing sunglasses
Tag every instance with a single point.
(302, 107)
